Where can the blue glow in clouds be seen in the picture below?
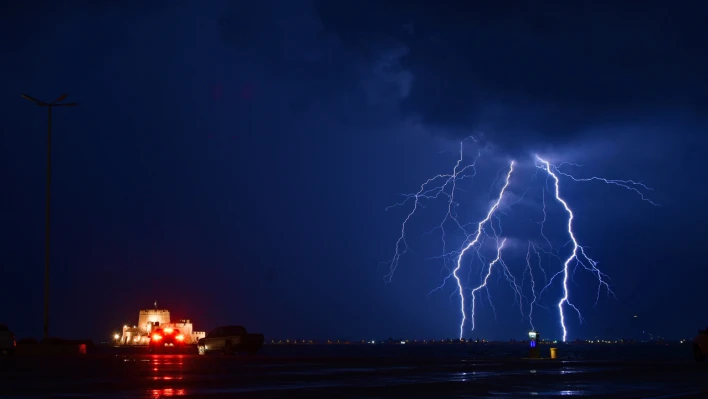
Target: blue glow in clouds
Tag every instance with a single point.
(489, 228)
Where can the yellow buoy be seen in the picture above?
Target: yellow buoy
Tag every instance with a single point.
(554, 353)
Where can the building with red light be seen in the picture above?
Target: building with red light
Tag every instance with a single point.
(152, 319)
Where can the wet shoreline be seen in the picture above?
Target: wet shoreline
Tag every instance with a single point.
(376, 373)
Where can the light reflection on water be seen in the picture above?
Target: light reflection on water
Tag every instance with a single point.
(167, 377)
(562, 393)
(168, 362)
(542, 394)
(166, 392)
(167, 368)
(460, 376)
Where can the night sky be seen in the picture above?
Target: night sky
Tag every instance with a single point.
(233, 160)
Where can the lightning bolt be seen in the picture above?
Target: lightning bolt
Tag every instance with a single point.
(490, 229)
(486, 277)
(578, 253)
(429, 190)
(533, 282)
(471, 243)
(630, 185)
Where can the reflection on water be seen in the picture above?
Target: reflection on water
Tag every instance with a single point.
(563, 393)
(166, 392)
(166, 368)
(543, 394)
(460, 376)
(167, 360)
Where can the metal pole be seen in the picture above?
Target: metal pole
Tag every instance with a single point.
(47, 246)
(48, 224)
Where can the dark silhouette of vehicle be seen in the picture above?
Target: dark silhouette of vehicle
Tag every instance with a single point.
(7, 341)
(163, 338)
(230, 340)
(700, 345)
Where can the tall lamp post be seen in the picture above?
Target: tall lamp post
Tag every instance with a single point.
(56, 103)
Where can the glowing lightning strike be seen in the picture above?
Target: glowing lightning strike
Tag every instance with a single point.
(490, 228)
(486, 277)
(630, 185)
(574, 254)
(472, 243)
(533, 282)
(427, 192)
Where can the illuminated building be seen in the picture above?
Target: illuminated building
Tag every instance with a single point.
(152, 319)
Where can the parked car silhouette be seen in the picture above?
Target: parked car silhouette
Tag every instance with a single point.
(230, 340)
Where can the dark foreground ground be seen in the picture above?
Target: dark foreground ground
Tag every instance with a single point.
(361, 372)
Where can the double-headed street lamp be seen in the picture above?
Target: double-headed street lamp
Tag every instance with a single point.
(56, 103)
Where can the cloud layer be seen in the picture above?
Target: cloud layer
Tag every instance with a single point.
(523, 74)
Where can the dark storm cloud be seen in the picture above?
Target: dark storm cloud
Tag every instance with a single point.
(524, 72)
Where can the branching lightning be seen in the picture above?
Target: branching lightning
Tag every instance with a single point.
(578, 253)
(529, 268)
(489, 230)
(471, 244)
(428, 192)
(484, 281)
